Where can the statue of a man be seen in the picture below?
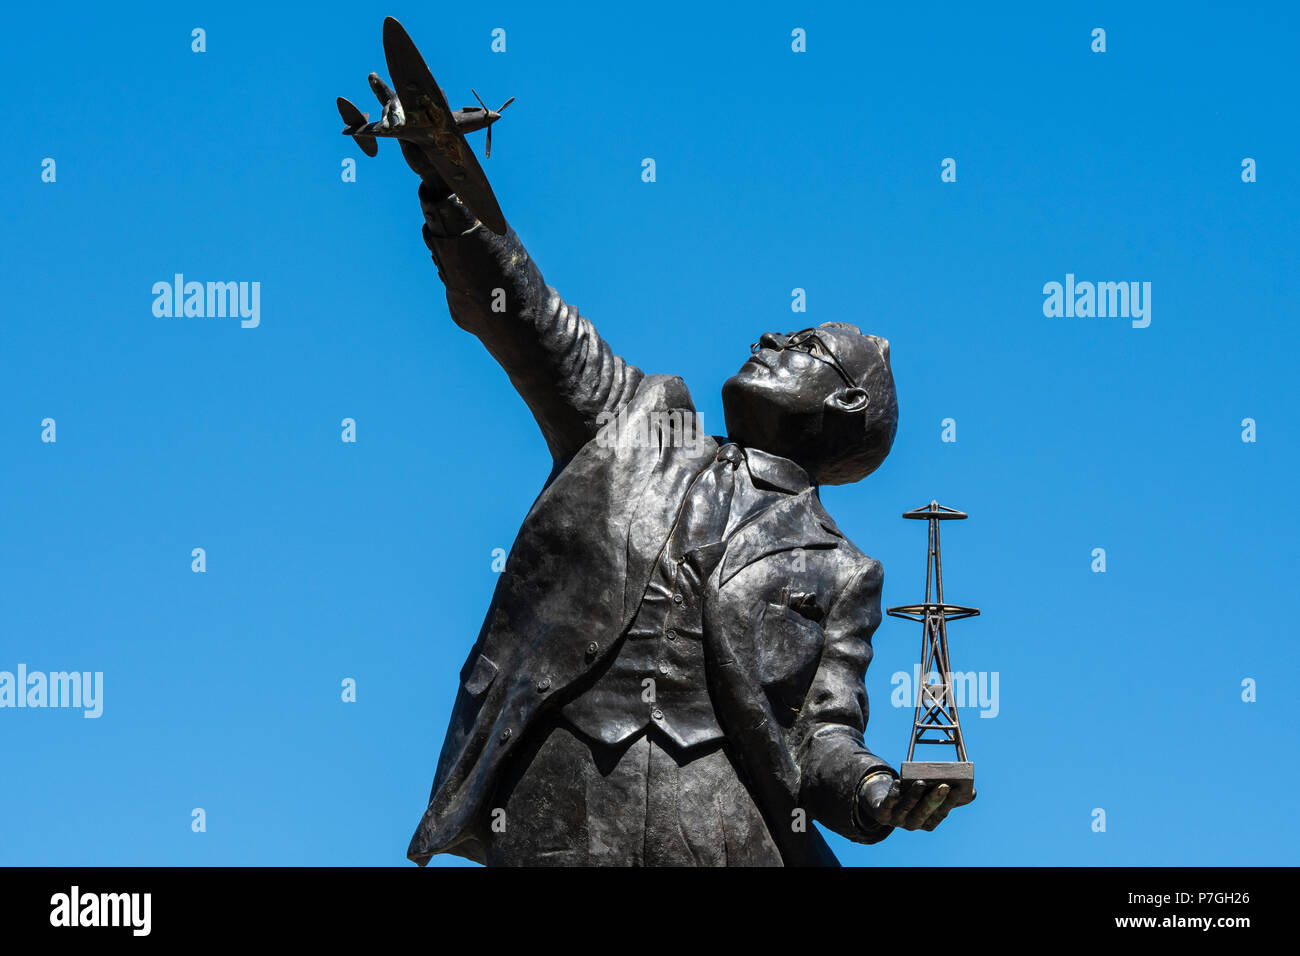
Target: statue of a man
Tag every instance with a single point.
(671, 671)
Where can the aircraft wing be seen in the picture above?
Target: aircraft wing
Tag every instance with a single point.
(427, 110)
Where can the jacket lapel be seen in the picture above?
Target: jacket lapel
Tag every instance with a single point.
(661, 491)
(794, 522)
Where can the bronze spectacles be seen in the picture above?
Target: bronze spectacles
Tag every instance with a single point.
(809, 341)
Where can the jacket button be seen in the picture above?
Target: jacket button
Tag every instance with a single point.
(657, 714)
(543, 685)
(592, 648)
(505, 735)
(670, 634)
(677, 599)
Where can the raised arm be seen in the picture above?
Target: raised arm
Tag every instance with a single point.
(563, 369)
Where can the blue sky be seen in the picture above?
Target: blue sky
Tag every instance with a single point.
(775, 170)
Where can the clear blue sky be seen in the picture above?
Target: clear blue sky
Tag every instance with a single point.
(775, 170)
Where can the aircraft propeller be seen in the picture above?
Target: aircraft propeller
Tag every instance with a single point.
(488, 151)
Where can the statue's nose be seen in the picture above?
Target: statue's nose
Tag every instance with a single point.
(771, 340)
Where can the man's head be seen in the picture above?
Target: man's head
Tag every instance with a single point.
(823, 397)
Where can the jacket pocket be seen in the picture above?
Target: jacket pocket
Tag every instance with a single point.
(788, 648)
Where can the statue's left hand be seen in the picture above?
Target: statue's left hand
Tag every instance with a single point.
(915, 805)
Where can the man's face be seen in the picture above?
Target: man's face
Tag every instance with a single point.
(780, 398)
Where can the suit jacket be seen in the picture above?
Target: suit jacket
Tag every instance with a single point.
(789, 605)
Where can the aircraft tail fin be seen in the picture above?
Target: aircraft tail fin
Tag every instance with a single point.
(355, 120)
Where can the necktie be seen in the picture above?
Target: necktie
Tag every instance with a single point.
(707, 505)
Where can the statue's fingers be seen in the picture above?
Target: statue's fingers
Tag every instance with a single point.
(942, 811)
(381, 90)
(921, 812)
(908, 801)
(434, 189)
(933, 820)
(891, 798)
(415, 157)
(953, 801)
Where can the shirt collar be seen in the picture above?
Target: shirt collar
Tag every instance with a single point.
(776, 472)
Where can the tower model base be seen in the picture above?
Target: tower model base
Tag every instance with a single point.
(959, 776)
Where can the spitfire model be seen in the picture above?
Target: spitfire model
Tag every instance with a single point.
(418, 113)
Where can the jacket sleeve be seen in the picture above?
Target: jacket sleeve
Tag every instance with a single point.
(833, 760)
(566, 373)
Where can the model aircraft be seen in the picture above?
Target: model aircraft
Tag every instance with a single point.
(417, 112)
(467, 118)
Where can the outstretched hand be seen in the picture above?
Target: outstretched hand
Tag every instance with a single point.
(914, 805)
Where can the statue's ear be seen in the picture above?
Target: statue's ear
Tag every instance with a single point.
(849, 401)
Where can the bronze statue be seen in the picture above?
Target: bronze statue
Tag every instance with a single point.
(671, 671)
